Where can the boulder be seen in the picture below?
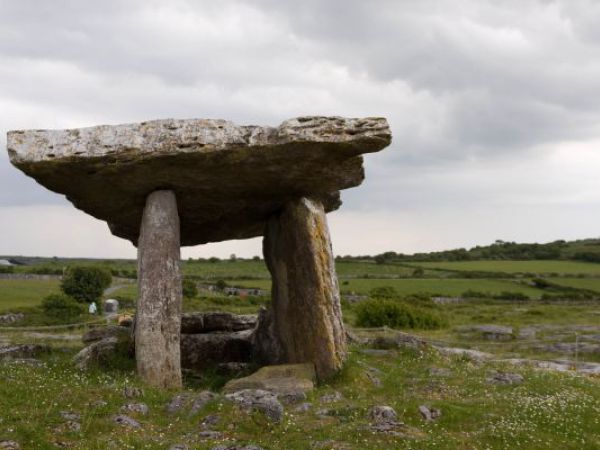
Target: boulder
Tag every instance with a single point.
(283, 380)
(198, 350)
(258, 400)
(195, 323)
(97, 353)
(228, 179)
(99, 333)
(10, 352)
(306, 318)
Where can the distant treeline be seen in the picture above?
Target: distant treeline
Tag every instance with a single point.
(584, 250)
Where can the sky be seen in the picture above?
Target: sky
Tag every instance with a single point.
(493, 107)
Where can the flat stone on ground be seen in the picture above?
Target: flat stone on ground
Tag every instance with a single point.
(279, 379)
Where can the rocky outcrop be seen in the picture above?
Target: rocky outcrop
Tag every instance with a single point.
(200, 350)
(9, 352)
(193, 323)
(228, 179)
(99, 333)
(306, 313)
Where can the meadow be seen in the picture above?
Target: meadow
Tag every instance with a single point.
(514, 267)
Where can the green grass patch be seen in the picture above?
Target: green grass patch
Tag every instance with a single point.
(535, 267)
(15, 294)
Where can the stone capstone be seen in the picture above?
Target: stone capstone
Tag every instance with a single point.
(228, 179)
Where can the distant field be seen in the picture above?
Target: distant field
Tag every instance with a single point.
(592, 284)
(450, 287)
(546, 267)
(20, 293)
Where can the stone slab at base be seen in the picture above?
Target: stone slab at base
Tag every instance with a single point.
(279, 379)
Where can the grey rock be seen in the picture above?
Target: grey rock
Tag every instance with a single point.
(303, 407)
(473, 355)
(194, 323)
(209, 434)
(70, 415)
(237, 447)
(177, 403)
(200, 350)
(9, 445)
(140, 408)
(21, 351)
(31, 362)
(132, 392)
(99, 333)
(379, 414)
(210, 421)
(228, 179)
(97, 353)
(127, 421)
(259, 400)
(374, 379)
(505, 378)
(178, 447)
(491, 332)
(297, 251)
(429, 414)
(331, 398)
(396, 341)
(11, 318)
(98, 403)
(201, 400)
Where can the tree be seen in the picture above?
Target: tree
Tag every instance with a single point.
(189, 288)
(86, 284)
(221, 285)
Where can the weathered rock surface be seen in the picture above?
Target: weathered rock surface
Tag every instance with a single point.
(11, 318)
(97, 353)
(306, 313)
(258, 400)
(99, 333)
(194, 323)
(283, 380)
(198, 350)
(21, 351)
(228, 179)
(429, 414)
(126, 421)
(158, 315)
(490, 332)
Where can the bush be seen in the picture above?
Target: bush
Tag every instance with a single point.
(61, 306)
(221, 284)
(506, 295)
(380, 312)
(86, 284)
(383, 292)
(190, 290)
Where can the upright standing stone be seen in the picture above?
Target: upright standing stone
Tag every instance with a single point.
(306, 313)
(158, 319)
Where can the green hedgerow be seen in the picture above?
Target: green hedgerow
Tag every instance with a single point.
(61, 306)
(379, 312)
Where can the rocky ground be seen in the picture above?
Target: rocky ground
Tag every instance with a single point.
(397, 391)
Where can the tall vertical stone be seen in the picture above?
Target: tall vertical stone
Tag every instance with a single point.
(158, 319)
(306, 316)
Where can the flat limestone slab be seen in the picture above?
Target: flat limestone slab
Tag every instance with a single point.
(279, 379)
(228, 179)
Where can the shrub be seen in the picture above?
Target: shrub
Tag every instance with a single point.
(61, 306)
(221, 284)
(474, 294)
(383, 292)
(506, 295)
(380, 312)
(86, 284)
(190, 290)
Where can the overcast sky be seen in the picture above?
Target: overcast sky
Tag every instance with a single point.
(494, 107)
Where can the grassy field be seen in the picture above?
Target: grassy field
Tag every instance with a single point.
(445, 287)
(592, 284)
(547, 411)
(536, 267)
(25, 293)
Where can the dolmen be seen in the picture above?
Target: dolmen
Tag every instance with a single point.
(165, 183)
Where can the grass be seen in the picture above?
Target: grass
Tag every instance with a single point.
(537, 267)
(549, 410)
(592, 284)
(25, 293)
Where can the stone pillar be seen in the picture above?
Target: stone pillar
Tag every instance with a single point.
(158, 318)
(306, 316)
